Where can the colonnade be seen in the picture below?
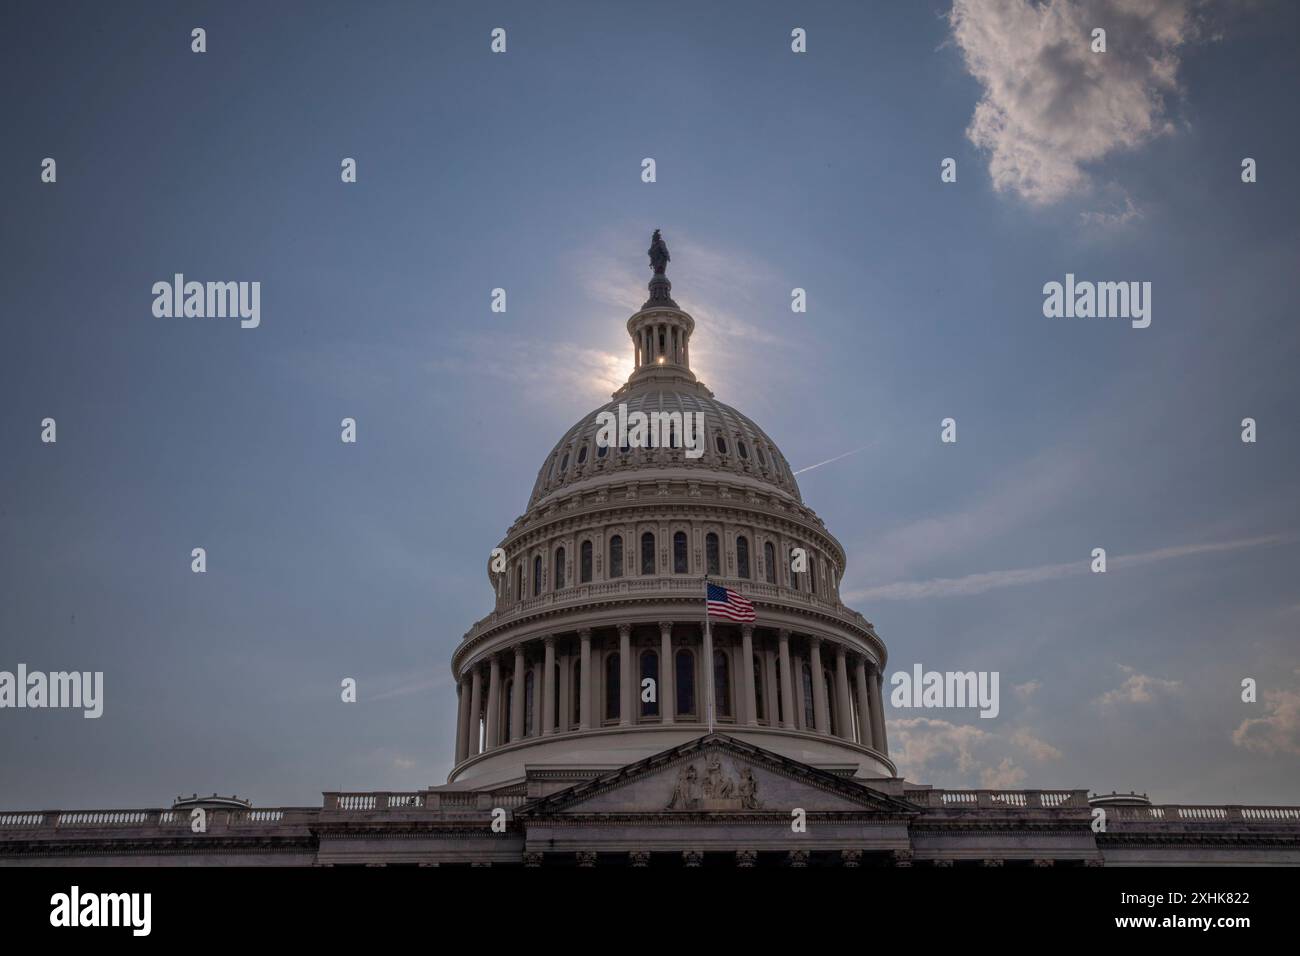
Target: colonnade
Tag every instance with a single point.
(597, 679)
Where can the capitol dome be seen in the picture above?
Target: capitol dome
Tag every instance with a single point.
(593, 656)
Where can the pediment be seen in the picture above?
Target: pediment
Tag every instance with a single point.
(717, 774)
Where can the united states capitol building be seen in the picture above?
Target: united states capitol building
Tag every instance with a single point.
(564, 758)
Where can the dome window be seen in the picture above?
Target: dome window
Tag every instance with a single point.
(721, 444)
(564, 463)
(744, 452)
(758, 450)
(582, 455)
(602, 451)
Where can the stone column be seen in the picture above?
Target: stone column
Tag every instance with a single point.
(548, 686)
(842, 692)
(769, 687)
(566, 691)
(787, 682)
(517, 696)
(628, 697)
(494, 703)
(473, 743)
(462, 718)
(584, 691)
(876, 684)
(865, 719)
(749, 712)
(821, 713)
(537, 699)
(667, 673)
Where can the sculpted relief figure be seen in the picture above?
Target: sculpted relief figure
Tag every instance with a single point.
(747, 790)
(716, 783)
(683, 797)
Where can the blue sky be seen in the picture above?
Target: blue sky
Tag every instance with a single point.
(775, 170)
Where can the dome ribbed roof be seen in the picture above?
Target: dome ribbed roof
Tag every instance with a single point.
(733, 445)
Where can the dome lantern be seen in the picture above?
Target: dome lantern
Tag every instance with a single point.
(661, 330)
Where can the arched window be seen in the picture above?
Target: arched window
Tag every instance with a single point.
(584, 562)
(680, 563)
(647, 553)
(721, 683)
(685, 683)
(809, 719)
(558, 576)
(831, 709)
(711, 553)
(530, 682)
(720, 443)
(740, 447)
(582, 455)
(769, 562)
(613, 690)
(602, 451)
(537, 575)
(564, 463)
(576, 717)
(759, 451)
(509, 705)
(616, 556)
(649, 669)
(760, 703)
(742, 556)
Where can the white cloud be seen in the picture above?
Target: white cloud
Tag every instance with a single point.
(1278, 732)
(1138, 689)
(1026, 690)
(1050, 106)
(946, 754)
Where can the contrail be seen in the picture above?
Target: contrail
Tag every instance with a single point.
(829, 460)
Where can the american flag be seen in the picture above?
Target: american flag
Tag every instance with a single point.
(726, 603)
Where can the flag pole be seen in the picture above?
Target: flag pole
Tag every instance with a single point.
(708, 655)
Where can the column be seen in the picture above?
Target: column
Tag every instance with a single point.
(878, 712)
(627, 690)
(770, 684)
(865, 719)
(548, 686)
(749, 712)
(517, 696)
(494, 704)
(537, 698)
(472, 740)
(584, 692)
(667, 673)
(462, 718)
(566, 690)
(842, 692)
(820, 712)
(787, 682)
